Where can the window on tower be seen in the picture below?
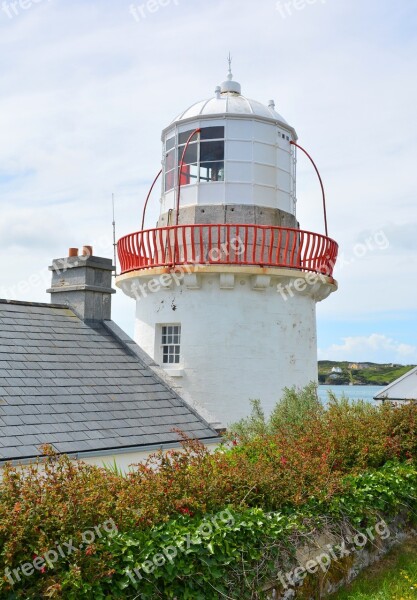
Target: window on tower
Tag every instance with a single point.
(203, 159)
(171, 344)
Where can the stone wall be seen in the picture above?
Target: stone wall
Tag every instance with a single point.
(340, 557)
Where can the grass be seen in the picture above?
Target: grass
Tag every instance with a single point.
(392, 578)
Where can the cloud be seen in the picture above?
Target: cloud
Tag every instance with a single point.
(86, 91)
(372, 348)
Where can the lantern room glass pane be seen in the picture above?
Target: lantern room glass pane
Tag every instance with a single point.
(211, 151)
(204, 158)
(170, 160)
(190, 154)
(170, 144)
(212, 133)
(183, 137)
(189, 174)
(169, 180)
(213, 171)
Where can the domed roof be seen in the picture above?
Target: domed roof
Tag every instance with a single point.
(233, 104)
(228, 100)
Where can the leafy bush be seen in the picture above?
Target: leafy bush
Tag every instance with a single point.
(305, 460)
(295, 407)
(357, 435)
(236, 556)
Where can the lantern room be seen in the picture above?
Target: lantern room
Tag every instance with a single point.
(228, 150)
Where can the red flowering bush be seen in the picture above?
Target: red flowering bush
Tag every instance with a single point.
(302, 452)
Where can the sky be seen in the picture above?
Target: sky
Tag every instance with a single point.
(86, 88)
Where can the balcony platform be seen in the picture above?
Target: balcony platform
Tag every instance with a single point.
(228, 244)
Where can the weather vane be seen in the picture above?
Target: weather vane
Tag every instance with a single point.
(229, 60)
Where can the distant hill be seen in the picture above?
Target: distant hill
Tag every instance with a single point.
(345, 373)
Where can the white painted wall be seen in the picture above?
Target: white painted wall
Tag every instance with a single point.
(237, 344)
(126, 461)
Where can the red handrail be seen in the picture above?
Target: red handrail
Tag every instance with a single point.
(320, 180)
(147, 198)
(228, 244)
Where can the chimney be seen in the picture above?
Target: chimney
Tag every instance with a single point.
(83, 283)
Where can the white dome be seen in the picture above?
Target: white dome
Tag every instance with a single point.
(229, 101)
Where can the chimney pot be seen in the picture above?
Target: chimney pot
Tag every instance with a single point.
(73, 252)
(87, 250)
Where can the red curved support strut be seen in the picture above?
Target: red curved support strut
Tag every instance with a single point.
(147, 198)
(180, 171)
(320, 179)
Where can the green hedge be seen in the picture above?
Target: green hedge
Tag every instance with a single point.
(232, 553)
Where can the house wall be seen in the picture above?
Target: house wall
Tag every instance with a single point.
(122, 460)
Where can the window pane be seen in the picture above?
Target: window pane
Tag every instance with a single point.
(211, 151)
(170, 160)
(190, 156)
(189, 174)
(170, 143)
(171, 336)
(213, 171)
(169, 180)
(212, 133)
(183, 137)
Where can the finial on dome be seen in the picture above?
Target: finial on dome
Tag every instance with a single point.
(230, 85)
(271, 104)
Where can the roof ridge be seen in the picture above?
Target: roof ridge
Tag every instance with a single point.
(40, 304)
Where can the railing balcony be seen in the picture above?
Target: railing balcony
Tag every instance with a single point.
(226, 244)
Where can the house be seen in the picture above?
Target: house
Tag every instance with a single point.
(403, 389)
(337, 370)
(71, 378)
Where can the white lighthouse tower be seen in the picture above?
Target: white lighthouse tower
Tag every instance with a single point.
(226, 284)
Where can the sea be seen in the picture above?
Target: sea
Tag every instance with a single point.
(353, 392)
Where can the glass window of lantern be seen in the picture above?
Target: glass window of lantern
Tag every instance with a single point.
(204, 157)
(169, 164)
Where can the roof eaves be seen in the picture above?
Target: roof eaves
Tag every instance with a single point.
(146, 448)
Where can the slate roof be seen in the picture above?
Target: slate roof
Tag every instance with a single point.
(80, 387)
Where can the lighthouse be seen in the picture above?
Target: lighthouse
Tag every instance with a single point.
(226, 284)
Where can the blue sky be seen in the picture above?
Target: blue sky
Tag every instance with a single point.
(87, 86)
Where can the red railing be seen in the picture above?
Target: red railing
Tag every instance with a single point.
(220, 244)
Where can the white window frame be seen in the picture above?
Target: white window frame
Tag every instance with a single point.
(170, 338)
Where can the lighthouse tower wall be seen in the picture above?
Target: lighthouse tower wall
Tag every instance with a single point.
(227, 283)
(243, 335)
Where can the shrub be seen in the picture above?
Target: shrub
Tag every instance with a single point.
(301, 459)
